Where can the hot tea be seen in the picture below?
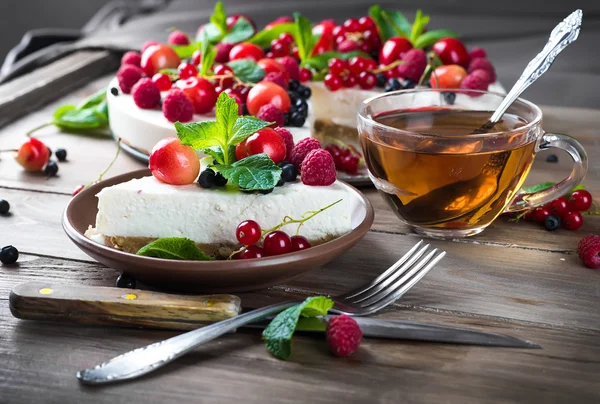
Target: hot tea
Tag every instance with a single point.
(447, 179)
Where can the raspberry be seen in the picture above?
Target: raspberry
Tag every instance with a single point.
(291, 67)
(178, 38)
(343, 335)
(411, 72)
(148, 44)
(288, 139)
(301, 150)
(483, 75)
(318, 168)
(417, 59)
(223, 49)
(177, 106)
(146, 94)
(474, 82)
(131, 58)
(477, 53)
(589, 251)
(484, 64)
(270, 113)
(128, 75)
(277, 78)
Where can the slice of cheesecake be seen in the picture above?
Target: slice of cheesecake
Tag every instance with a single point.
(135, 213)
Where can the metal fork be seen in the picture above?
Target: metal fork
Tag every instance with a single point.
(365, 300)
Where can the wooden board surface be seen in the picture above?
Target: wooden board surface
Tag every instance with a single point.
(514, 278)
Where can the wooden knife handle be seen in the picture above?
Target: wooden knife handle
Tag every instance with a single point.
(96, 305)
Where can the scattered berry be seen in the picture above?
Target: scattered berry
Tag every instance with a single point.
(252, 251)
(51, 169)
(343, 335)
(277, 243)
(61, 154)
(158, 57)
(209, 178)
(270, 113)
(318, 168)
(552, 223)
(572, 220)
(288, 139)
(452, 52)
(580, 200)
(299, 242)
(177, 106)
(558, 206)
(483, 64)
(248, 232)
(291, 67)
(277, 78)
(9, 255)
(131, 58)
(78, 189)
(162, 81)
(4, 207)
(302, 148)
(540, 214)
(173, 163)
(32, 155)
(477, 53)
(589, 251)
(146, 94)
(125, 281)
(178, 38)
(127, 76)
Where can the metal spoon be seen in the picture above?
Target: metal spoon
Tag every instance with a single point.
(561, 36)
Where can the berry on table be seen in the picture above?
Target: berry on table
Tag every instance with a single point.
(4, 207)
(51, 169)
(201, 92)
(252, 251)
(270, 113)
(178, 38)
(452, 52)
(158, 57)
(145, 94)
(301, 149)
(266, 92)
(248, 232)
(580, 200)
(162, 81)
(131, 58)
(552, 222)
(127, 76)
(125, 281)
(572, 220)
(174, 163)
(209, 178)
(246, 50)
(540, 214)
(589, 251)
(61, 154)
(9, 255)
(318, 168)
(558, 206)
(276, 243)
(177, 106)
(32, 155)
(78, 189)
(299, 243)
(343, 335)
(288, 139)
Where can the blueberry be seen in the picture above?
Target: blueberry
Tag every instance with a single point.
(449, 97)
(9, 255)
(304, 92)
(4, 207)
(282, 164)
(293, 84)
(552, 222)
(553, 158)
(51, 169)
(392, 84)
(297, 120)
(289, 172)
(300, 102)
(61, 154)
(408, 83)
(280, 182)
(114, 91)
(265, 191)
(381, 79)
(125, 281)
(294, 96)
(302, 110)
(207, 178)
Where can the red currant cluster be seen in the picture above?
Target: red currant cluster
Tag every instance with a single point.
(277, 242)
(357, 34)
(358, 70)
(282, 46)
(346, 158)
(564, 211)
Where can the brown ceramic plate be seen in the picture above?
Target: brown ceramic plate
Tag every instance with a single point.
(208, 276)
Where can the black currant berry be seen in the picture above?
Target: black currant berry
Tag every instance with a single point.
(9, 255)
(289, 172)
(297, 120)
(381, 79)
(392, 84)
(61, 154)
(304, 92)
(293, 85)
(4, 207)
(51, 169)
(449, 97)
(125, 281)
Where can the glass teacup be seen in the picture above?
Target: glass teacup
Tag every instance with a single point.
(444, 181)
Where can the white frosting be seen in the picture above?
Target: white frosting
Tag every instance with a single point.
(147, 207)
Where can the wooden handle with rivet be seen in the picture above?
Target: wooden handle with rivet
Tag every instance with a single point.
(97, 305)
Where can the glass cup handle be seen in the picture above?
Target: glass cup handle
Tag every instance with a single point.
(580, 167)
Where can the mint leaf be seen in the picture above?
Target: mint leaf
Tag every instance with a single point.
(226, 112)
(278, 334)
(93, 100)
(240, 31)
(219, 18)
(538, 187)
(264, 37)
(311, 324)
(305, 41)
(212, 32)
(419, 25)
(207, 55)
(187, 51)
(247, 70)
(257, 172)
(244, 127)
(63, 109)
(80, 119)
(200, 135)
(431, 37)
(319, 62)
(577, 188)
(385, 24)
(174, 248)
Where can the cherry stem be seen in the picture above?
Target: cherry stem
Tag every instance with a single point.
(388, 67)
(306, 216)
(28, 134)
(107, 168)
(9, 150)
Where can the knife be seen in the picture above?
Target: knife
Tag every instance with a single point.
(96, 305)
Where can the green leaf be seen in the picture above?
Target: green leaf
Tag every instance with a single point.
(247, 70)
(305, 41)
(577, 188)
(174, 248)
(241, 30)
(200, 135)
(311, 324)
(419, 25)
(384, 23)
(278, 334)
(429, 38)
(102, 109)
(257, 172)
(79, 119)
(226, 112)
(538, 187)
(207, 56)
(93, 99)
(264, 37)
(219, 18)
(319, 62)
(400, 24)
(63, 109)
(216, 152)
(187, 51)
(212, 32)
(244, 127)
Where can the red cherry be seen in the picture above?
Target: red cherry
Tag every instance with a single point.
(367, 80)
(540, 214)
(252, 251)
(337, 66)
(158, 57)
(352, 25)
(393, 49)
(529, 216)
(277, 243)
(201, 92)
(187, 70)
(299, 243)
(32, 155)
(558, 206)
(241, 151)
(267, 92)
(248, 232)
(266, 141)
(349, 163)
(448, 76)
(572, 220)
(224, 70)
(350, 80)
(580, 200)
(452, 52)
(270, 66)
(174, 163)
(162, 81)
(305, 75)
(365, 23)
(196, 57)
(246, 50)
(333, 82)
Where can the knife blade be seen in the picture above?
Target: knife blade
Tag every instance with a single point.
(410, 330)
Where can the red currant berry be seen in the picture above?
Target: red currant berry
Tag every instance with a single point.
(277, 243)
(299, 243)
(558, 206)
(580, 200)
(252, 251)
(366, 47)
(365, 23)
(572, 220)
(248, 232)
(350, 80)
(224, 70)
(340, 32)
(243, 91)
(162, 81)
(196, 57)
(352, 25)
(332, 82)
(279, 48)
(357, 65)
(337, 66)
(305, 75)
(540, 214)
(367, 80)
(187, 70)
(349, 163)
(286, 37)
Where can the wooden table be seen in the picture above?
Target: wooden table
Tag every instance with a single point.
(517, 279)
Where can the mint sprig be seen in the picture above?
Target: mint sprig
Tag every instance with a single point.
(174, 248)
(257, 172)
(241, 30)
(219, 18)
(207, 55)
(305, 40)
(247, 70)
(278, 334)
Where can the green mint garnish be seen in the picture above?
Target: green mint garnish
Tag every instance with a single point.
(538, 187)
(278, 334)
(257, 172)
(430, 37)
(219, 18)
(174, 248)
(207, 55)
(305, 40)
(241, 30)
(247, 70)
(264, 37)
